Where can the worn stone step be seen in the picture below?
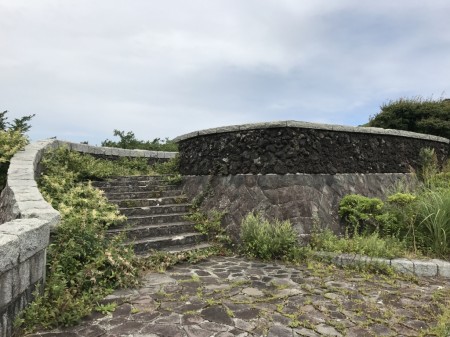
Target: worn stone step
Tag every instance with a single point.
(142, 195)
(160, 242)
(116, 183)
(155, 230)
(138, 178)
(140, 188)
(128, 203)
(186, 248)
(152, 219)
(153, 210)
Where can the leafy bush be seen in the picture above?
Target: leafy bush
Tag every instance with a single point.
(85, 166)
(12, 139)
(267, 240)
(83, 264)
(367, 244)
(415, 114)
(210, 224)
(361, 213)
(128, 141)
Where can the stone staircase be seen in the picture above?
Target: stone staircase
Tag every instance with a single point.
(155, 214)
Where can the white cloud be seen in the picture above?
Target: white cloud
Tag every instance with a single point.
(165, 68)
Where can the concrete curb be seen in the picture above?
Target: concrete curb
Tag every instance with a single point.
(422, 268)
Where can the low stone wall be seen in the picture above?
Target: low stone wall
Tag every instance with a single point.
(299, 147)
(304, 199)
(26, 220)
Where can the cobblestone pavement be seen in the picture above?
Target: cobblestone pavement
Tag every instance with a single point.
(229, 296)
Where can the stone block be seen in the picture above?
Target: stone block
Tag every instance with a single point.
(425, 268)
(403, 266)
(9, 250)
(33, 235)
(6, 282)
(186, 136)
(443, 267)
(24, 275)
(37, 266)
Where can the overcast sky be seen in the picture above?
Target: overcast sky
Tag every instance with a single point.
(165, 68)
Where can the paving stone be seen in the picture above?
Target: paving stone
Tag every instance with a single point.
(253, 292)
(279, 331)
(217, 314)
(327, 330)
(171, 306)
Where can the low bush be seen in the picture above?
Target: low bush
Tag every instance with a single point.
(361, 214)
(366, 244)
(267, 240)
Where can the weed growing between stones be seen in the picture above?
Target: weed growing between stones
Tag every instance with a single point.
(83, 264)
(267, 240)
(161, 261)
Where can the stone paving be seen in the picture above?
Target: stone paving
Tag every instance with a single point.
(230, 296)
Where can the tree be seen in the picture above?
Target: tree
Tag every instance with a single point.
(415, 114)
(128, 141)
(12, 139)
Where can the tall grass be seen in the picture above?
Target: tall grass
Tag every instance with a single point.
(433, 221)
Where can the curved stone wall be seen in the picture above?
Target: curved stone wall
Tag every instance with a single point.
(297, 171)
(299, 147)
(25, 223)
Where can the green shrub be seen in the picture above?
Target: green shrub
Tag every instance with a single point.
(360, 213)
(267, 240)
(415, 114)
(209, 224)
(367, 244)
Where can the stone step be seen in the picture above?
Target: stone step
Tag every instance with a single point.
(141, 188)
(153, 210)
(166, 242)
(140, 232)
(186, 248)
(128, 203)
(143, 195)
(137, 178)
(115, 183)
(152, 220)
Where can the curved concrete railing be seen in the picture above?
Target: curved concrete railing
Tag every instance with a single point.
(26, 220)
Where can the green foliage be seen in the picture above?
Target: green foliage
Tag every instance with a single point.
(169, 167)
(433, 222)
(267, 240)
(365, 244)
(160, 261)
(128, 141)
(83, 264)
(415, 114)
(361, 213)
(85, 166)
(210, 224)
(12, 139)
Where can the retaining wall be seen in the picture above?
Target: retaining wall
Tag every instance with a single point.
(26, 220)
(297, 171)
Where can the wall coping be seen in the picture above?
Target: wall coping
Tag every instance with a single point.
(307, 125)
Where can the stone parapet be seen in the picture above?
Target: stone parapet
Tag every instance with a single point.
(300, 147)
